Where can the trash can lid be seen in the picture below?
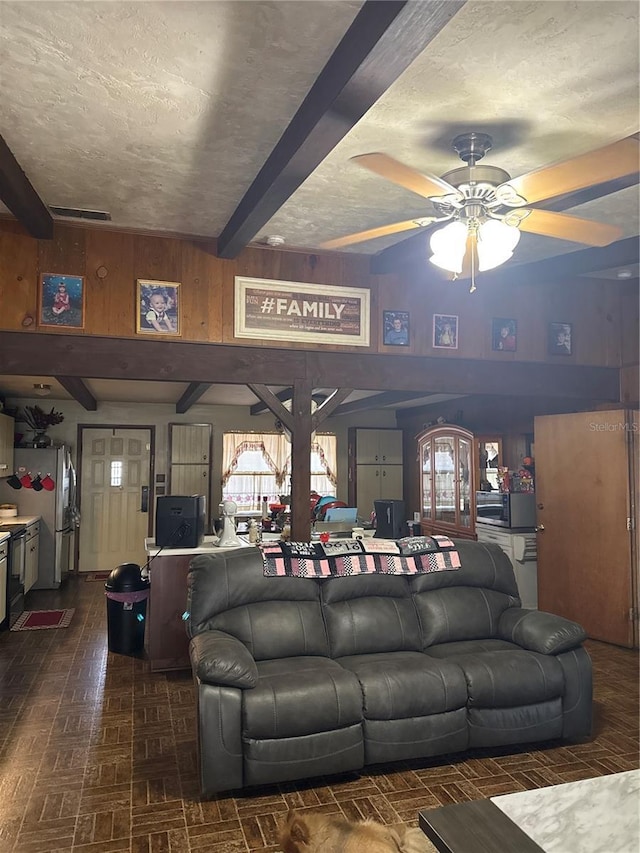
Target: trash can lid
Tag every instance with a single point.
(126, 578)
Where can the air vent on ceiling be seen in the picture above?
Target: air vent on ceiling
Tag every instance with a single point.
(78, 213)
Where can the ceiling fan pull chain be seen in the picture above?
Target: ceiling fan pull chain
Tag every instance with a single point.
(472, 246)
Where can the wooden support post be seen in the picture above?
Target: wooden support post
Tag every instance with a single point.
(301, 461)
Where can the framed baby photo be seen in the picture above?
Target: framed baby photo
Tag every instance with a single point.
(395, 326)
(158, 308)
(445, 331)
(504, 335)
(560, 341)
(61, 301)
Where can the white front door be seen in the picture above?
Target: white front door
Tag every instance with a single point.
(115, 469)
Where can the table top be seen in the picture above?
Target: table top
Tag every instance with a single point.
(597, 815)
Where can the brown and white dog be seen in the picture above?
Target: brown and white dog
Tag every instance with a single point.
(310, 832)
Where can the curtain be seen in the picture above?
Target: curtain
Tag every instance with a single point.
(234, 445)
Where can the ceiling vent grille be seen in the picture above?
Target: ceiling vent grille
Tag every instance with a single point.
(78, 213)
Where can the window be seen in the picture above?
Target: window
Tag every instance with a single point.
(259, 464)
(116, 472)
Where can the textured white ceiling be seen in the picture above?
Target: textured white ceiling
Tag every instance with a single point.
(163, 112)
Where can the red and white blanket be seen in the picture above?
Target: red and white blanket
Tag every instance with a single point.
(343, 557)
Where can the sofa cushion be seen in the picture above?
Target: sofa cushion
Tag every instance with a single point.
(508, 678)
(299, 696)
(482, 564)
(397, 685)
(460, 613)
(369, 613)
(468, 647)
(273, 616)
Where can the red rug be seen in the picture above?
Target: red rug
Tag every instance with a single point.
(96, 576)
(37, 620)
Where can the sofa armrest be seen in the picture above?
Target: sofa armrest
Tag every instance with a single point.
(540, 632)
(219, 658)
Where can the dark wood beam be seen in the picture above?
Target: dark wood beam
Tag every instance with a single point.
(46, 354)
(273, 404)
(17, 192)
(283, 396)
(328, 406)
(79, 391)
(383, 40)
(378, 401)
(301, 461)
(191, 396)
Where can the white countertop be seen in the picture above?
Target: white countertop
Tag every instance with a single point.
(20, 519)
(3, 536)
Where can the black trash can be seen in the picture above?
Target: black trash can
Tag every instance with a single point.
(127, 592)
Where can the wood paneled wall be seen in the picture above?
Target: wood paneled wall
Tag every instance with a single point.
(603, 313)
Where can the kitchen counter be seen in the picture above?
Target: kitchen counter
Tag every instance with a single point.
(207, 545)
(20, 519)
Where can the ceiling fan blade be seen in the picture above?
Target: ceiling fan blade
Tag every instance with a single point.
(404, 176)
(567, 227)
(383, 231)
(604, 164)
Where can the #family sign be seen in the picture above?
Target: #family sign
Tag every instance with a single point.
(295, 311)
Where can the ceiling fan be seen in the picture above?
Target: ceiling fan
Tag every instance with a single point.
(487, 209)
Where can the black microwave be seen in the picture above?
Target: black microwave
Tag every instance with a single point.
(512, 509)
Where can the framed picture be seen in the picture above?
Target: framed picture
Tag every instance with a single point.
(445, 331)
(268, 309)
(158, 307)
(504, 335)
(395, 326)
(560, 339)
(61, 302)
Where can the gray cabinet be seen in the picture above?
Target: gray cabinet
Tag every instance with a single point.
(375, 467)
(32, 555)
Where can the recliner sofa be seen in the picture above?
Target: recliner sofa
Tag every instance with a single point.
(301, 677)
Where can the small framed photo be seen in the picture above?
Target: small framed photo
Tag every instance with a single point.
(158, 307)
(61, 301)
(504, 335)
(560, 339)
(445, 331)
(395, 328)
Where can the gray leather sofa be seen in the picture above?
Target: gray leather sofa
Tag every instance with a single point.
(300, 677)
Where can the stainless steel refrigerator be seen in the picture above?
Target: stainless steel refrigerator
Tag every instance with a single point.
(56, 508)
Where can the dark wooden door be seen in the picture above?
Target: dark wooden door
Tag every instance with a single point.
(584, 544)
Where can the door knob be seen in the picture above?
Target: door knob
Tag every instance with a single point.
(540, 528)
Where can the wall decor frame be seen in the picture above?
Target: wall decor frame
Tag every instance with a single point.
(298, 311)
(560, 339)
(61, 301)
(395, 328)
(445, 331)
(158, 307)
(504, 334)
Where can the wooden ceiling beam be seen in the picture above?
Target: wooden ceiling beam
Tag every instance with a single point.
(383, 40)
(79, 391)
(45, 354)
(191, 396)
(273, 404)
(328, 406)
(17, 192)
(283, 396)
(378, 401)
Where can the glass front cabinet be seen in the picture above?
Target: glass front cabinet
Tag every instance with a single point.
(447, 481)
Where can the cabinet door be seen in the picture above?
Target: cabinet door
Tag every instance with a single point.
(3, 588)
(390, 446)
(6, 445)
(368, 447)
(391, 483)
(31, 563)
(367, 488)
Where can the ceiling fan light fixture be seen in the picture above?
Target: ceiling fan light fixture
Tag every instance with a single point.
(496, 242)
(449, 245)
